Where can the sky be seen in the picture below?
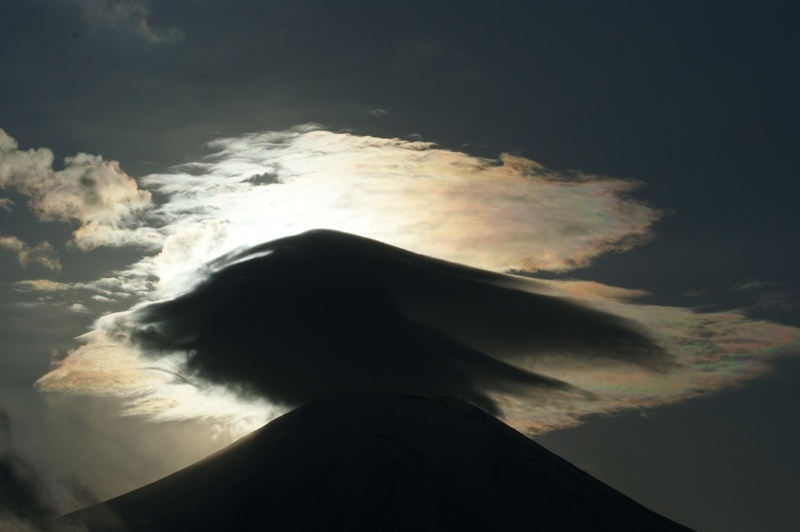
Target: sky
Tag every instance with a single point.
(634, 164)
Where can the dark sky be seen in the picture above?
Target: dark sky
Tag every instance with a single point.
(696, 100)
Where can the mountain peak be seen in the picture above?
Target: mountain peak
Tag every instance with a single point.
(378, 462)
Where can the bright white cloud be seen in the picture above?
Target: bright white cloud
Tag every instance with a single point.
(90, 190)
(509, 213)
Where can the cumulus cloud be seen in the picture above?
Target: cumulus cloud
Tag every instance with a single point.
(127, 15)
(90, 190)
(42, 253)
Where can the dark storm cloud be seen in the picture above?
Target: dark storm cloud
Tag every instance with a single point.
(327, 312)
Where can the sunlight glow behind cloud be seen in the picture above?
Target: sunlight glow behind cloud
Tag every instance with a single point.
(509, 213)
(494, 214)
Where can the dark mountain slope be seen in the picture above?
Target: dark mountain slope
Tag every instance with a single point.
(373, 463)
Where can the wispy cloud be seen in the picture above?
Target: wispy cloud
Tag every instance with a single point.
(41, 285)
(127, 15)
(546, 354)
(6, 205)
(42, 253)
(153, 387)
(496, 214)
(320, 313)
(90, 190)
(713, 351)
(123, 287)
(766, 296)
(407, 193)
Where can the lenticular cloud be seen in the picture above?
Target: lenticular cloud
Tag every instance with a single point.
(325, 312)
(509, 213)
(322, 313)
(284, 323)
(243, 314)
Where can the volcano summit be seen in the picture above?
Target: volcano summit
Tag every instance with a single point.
(386, 462)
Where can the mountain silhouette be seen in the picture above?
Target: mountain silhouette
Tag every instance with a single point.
(377, 463)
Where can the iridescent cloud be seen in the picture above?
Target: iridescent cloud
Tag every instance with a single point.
(499, 215)
(90, 190)
(42, 253)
